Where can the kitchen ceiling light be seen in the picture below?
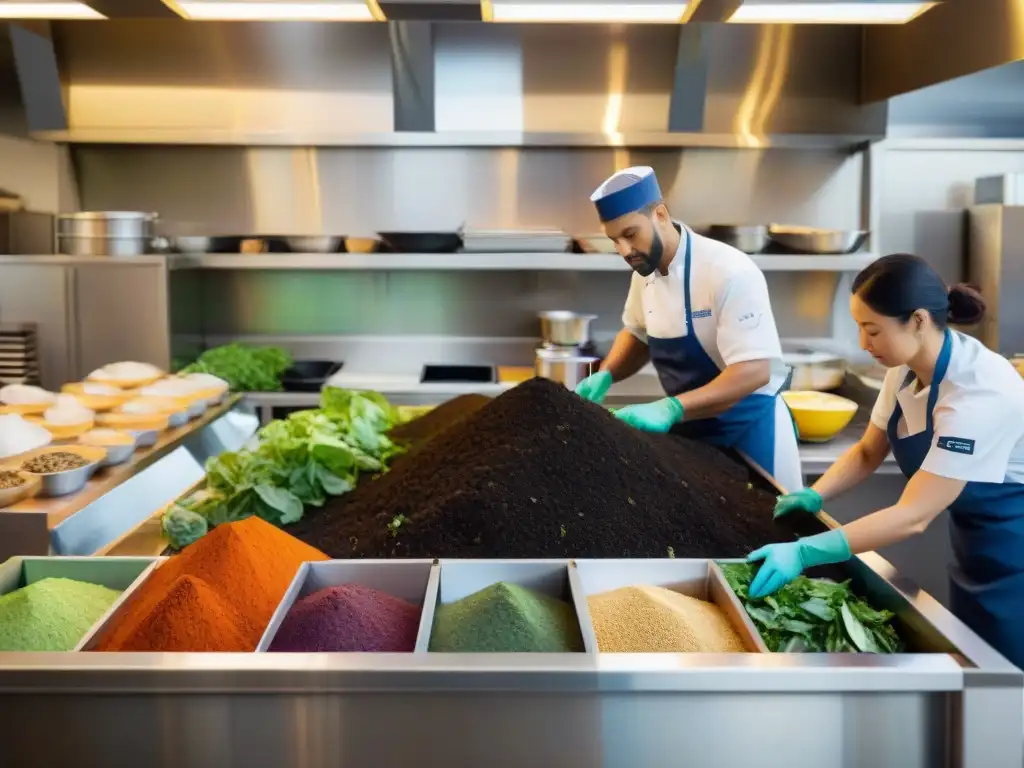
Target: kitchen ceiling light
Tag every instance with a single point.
(601, 13)
(828, 12)
(48, 11)
(203, 10)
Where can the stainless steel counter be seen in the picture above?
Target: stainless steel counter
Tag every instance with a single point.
(118, 498)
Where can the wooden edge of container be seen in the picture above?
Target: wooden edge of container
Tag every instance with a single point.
(579, 599)
(430, 598)
(721, 594)
(89, 640)
(290, 595)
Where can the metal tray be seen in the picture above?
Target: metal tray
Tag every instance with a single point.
(557, 578)
(414, 581)
(120, 573)
(697, 578)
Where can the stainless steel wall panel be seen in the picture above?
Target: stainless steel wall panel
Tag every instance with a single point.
(41, 294)
(359, 191)
(234, 76)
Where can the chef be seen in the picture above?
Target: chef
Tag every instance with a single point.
(952, 413)
(697, 309)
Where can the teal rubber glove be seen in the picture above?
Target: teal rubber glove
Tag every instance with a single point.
(805, 500)
(784, 562)
(659, 416)
(595, 387)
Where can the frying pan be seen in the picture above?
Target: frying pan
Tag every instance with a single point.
(422, 242)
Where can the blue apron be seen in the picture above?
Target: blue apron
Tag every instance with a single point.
(987, 530)
(683, 365)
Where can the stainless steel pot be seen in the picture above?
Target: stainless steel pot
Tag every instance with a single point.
(566, 366)
(119, 234)
(817, 241)
(107, 224)
(747, 238)
(566, 329)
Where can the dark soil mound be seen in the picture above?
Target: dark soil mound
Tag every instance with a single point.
(433, 423)
(539, 472)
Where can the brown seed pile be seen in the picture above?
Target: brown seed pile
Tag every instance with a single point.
(49, 463)
(645, 619)
(10, 479)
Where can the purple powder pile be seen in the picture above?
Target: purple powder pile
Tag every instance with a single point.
(349, 618)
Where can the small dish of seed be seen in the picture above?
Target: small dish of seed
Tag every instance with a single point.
(52, 463)
(10, 479)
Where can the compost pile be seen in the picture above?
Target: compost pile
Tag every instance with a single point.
(539, 472)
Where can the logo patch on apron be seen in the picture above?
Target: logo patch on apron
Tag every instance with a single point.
(957, 445)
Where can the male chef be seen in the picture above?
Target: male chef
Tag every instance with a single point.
(699, 310)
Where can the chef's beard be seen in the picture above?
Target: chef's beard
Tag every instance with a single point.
(650, 261)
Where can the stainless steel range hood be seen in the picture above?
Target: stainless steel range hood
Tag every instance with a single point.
(155, 81)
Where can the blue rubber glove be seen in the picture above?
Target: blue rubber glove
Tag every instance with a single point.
(805, 500)
(595, 387)
(659, 416)
(784, 562)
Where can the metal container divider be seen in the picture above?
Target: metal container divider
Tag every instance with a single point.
(694, 577)
(579, 599)
(724, 597)
(121, 573)
(462, 578)
(409, 580)
(120, 607)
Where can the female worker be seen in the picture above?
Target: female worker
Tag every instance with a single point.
(952, 413)
(699, 311)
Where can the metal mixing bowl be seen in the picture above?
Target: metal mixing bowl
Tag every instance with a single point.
(192, 244)
(566, 329)
(314, 244)
(817, 241)
(751, 238)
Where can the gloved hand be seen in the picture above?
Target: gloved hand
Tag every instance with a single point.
(784, 562)
(595, 387)
(659, 416)
(804, 500)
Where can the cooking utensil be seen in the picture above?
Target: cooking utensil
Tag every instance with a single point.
(819, 417)
(565, 366)
(564, 328)
(309, 375)
(422, 242)
(111, 247)
(72, 480)
(361, 244)
(314, 244)
(107, 224)
(817, 241)
(815, 371)
(192, 243)
(28, 489)
(749, 238)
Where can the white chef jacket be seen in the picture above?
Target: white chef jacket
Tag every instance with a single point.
(732, 314)
(978, 417)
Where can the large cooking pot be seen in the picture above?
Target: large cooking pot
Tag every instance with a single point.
(566, 329)
(105, 233)
(566, 366)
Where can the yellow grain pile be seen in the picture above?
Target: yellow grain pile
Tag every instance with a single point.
(645, 619)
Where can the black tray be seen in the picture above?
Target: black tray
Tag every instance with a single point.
(474, 374)
(309, 375)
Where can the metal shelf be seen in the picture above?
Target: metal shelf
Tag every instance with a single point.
(578, 262)
(652, 139)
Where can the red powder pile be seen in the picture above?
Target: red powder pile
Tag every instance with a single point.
(217, 595)
(349, 618)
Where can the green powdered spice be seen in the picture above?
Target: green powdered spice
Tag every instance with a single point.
(51, 614)
(505, 618)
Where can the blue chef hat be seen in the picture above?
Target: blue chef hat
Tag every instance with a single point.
(626, 192)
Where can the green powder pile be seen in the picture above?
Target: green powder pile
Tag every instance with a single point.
(505, 618)
(51, 614)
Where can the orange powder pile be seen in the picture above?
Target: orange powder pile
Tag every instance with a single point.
(217, 595)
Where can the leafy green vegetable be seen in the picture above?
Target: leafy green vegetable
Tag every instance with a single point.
(814, 616)
(299, 461)
(183, 526)
(246, 369)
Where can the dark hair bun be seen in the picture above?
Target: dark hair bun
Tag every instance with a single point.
(966, 305)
